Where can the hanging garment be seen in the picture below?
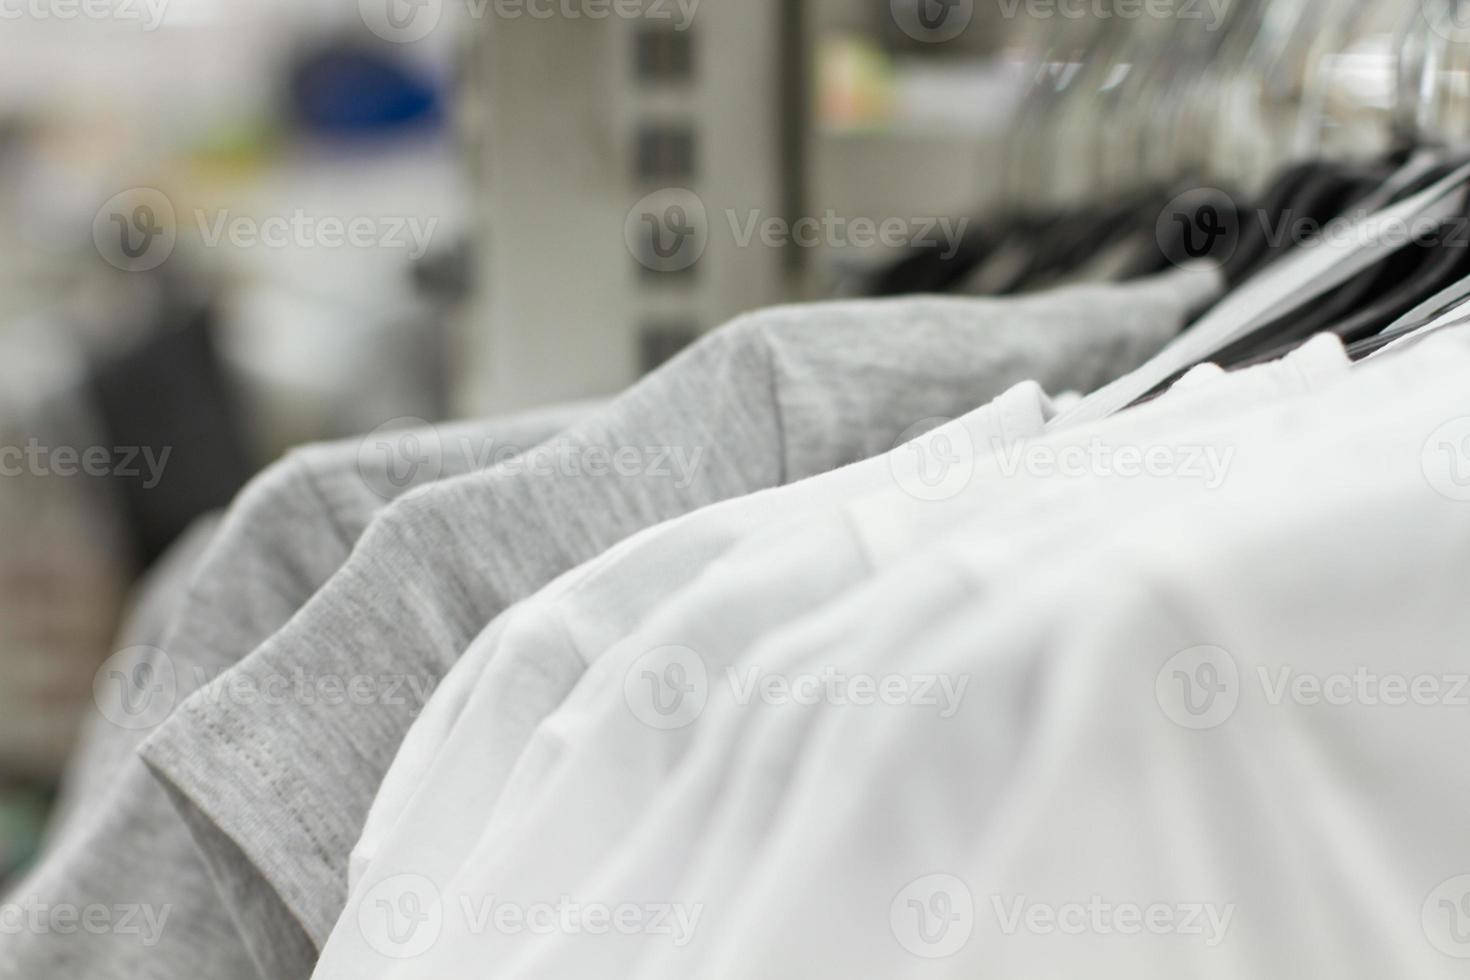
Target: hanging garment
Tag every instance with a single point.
(604, 751)
(276, 795)
(668, 843)
(697, 833)
(1105, 770)
(168, 399)
(287, 534)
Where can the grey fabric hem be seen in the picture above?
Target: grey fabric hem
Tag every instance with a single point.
(219, 816)
(248, 897)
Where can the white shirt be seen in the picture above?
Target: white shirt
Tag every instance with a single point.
(676, 845)
(1206, 743)
(584, 779)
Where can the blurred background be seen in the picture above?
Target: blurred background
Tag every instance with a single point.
(228, 227)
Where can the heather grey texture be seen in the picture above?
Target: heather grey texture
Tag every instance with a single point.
(101, 750)
(774, 397)
(124, 843)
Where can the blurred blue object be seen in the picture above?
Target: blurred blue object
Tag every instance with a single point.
(347, 89)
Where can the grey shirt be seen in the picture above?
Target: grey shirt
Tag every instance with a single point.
(119, 842)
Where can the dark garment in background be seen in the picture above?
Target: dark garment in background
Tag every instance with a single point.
(169, 395)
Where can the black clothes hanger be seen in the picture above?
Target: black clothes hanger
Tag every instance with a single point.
(1376, 336)
(1394, 287)
(1429, 178)
(1042, 245)
(1071, 242)
(1327, 193)
(1370, 302)
(1256, 224)
(1416, 276)
(934, 268)
(1362, 307)
(1453, 297)
(1331, 197)
(1017, 248)
(1298, 191)
(1368, 346)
